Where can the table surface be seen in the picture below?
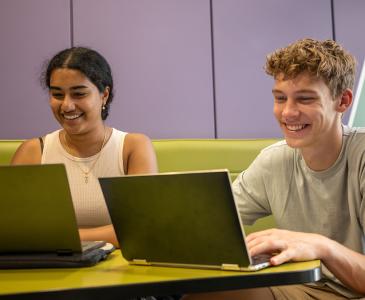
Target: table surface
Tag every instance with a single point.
(116, 279)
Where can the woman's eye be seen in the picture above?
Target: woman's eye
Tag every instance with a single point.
(57, 95)
(79, 95)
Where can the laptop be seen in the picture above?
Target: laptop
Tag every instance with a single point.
(181, 219)
(37, 220)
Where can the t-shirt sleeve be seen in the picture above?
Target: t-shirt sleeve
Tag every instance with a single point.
(250, 192)
(362, 191)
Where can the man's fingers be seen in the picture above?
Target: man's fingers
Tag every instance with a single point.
(258, 234)
(266, 246)
(281, 258)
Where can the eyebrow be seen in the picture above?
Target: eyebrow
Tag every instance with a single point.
(77, 87)
(297, 92)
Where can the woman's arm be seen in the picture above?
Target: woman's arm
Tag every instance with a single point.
(105, 233)
(139, 156)
(28, 153)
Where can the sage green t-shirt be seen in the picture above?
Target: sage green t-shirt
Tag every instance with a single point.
(328, 202)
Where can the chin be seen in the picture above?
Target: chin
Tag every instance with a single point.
(71, 129)
(294, 143)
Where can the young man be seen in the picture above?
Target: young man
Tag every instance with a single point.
(314, 182)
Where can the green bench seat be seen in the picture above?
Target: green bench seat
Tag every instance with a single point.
(193, 154)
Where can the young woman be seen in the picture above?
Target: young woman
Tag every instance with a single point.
(80, 86)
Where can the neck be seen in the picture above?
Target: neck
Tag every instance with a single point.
(86, 144)
(322, 156)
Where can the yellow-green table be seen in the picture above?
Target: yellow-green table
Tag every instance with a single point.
(115, 279)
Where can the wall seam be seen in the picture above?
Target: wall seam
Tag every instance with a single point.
(213, 69)
(333, 19)
(71, 23)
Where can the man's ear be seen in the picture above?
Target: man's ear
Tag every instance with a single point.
(344, 101)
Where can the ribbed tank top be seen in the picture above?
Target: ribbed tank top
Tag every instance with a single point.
(88, 199)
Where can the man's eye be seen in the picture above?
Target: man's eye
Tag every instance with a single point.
(280, 99)
(306, 98)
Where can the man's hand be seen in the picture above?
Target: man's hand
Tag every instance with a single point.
(286, 245)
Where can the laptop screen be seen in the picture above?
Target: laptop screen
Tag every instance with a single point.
(37, 210)
(178, 218)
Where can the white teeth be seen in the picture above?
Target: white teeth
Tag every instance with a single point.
(71, 117)
(295, 127)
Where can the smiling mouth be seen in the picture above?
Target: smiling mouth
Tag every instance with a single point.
(295, 127)
(72, 117)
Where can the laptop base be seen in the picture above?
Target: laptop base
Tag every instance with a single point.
(53, 260)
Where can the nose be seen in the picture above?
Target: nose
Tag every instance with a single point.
(67, 104)
(290, 109)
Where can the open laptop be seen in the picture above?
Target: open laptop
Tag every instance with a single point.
(185, 219)
(37, 220)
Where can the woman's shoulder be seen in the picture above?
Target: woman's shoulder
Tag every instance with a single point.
(135, 141)
(137, 138)
(29, 152)
(139, 154)
(130, 139)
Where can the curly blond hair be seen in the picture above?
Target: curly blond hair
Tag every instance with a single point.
(323, 59)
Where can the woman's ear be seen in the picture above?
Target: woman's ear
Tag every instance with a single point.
(344, 101)
(105, 95)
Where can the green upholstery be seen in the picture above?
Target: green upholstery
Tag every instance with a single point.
(192, 154)
(7, 149)
(205, 154)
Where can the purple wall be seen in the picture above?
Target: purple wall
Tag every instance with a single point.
(30, 31)
(161, 55)
(244, 99)
(349, 30)
(160, 52)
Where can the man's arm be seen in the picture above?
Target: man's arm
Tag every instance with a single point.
(347, 265)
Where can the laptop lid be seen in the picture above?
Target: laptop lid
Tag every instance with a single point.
(37, 213)
(177, 219)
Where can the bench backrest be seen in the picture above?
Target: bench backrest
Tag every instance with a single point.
(192, 154)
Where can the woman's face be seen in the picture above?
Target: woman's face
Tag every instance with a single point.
(75, 101)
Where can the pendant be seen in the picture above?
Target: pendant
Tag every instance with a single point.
(86, 178)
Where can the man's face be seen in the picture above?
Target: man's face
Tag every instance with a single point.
(306, 111)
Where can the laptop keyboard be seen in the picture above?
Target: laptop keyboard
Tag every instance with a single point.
(261, 259)
(90, 245)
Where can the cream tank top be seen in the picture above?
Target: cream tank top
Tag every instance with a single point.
(88, 199)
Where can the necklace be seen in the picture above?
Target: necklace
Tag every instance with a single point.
(87, 171)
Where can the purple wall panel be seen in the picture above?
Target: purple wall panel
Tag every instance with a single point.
(244, 33)
(160, 54)
(30, 32)
(349, 28)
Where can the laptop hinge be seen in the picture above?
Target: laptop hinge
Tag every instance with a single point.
(64, 252)
(230, 267)
(141, 262)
